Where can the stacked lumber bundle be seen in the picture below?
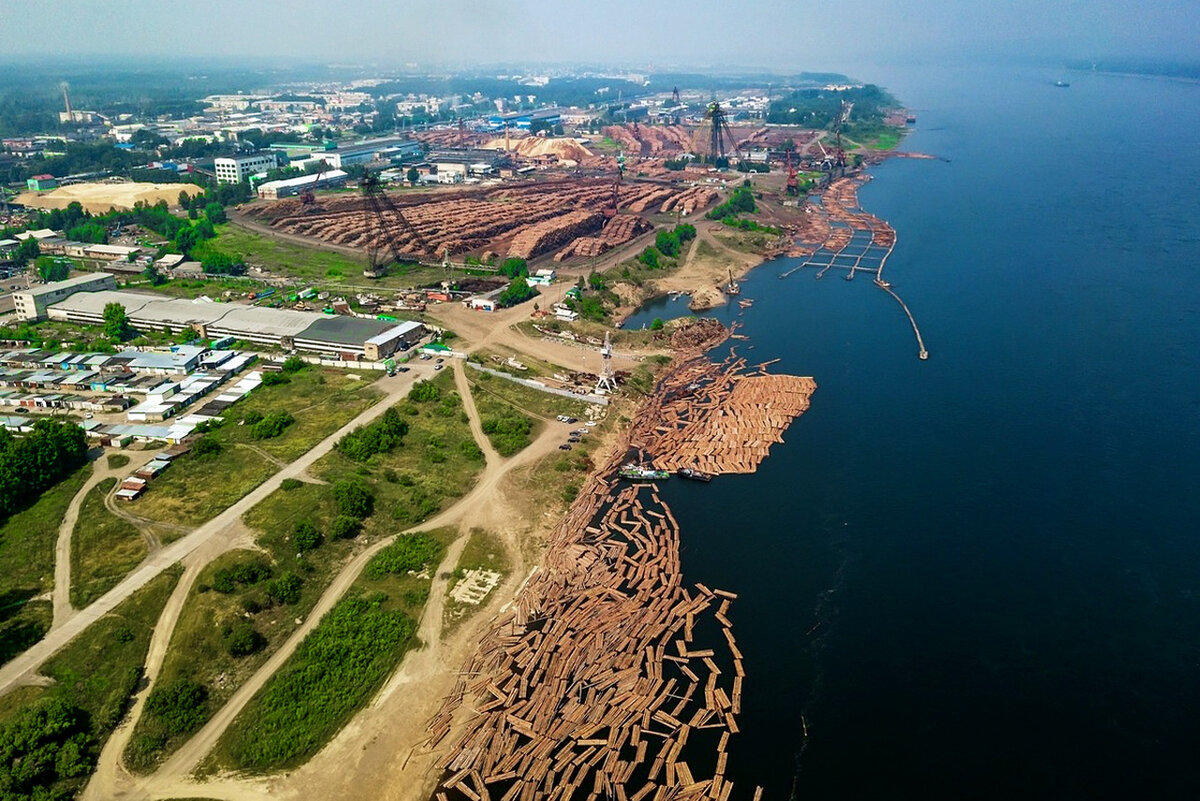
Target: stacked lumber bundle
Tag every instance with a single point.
(718, 419)
(690, 200)
(592, 685)
(617, 231)
(654, 198)
(549, 234)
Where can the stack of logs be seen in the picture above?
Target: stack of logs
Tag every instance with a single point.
(548, 234)
(591, 686)
(718, 419)
(617, 231)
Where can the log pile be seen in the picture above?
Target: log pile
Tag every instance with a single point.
(594, 685)
(549, 234)
(717, 418)
(690, 200)
(617, 231)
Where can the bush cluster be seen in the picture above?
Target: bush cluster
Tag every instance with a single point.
(381, 436)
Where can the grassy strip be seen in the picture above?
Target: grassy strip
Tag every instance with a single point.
(436, 462)
(27, 565)
(104, 547)
(528, 399)
(336, 670)
(95, 678)
(506, 428)
(198, 487)
(483, 551)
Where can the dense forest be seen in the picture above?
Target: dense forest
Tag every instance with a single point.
(818, 108)
(31, 464)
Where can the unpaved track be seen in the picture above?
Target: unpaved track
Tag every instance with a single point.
(63, 610)
(11, 673)
(394, 715)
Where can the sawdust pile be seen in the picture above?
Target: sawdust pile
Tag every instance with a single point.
(99, 197)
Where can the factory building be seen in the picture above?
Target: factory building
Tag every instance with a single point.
(31, 304)
(391, 150)
(289, 187)
(235, 169)
(335, 336)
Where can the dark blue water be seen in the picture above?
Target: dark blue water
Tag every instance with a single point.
(978, 576)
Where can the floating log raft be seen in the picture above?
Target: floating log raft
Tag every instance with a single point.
(592, 683)
(717, 418)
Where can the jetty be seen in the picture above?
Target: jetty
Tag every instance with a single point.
(851, 240)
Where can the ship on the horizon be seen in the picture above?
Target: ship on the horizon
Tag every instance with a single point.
(1062, 84)
(639, 472)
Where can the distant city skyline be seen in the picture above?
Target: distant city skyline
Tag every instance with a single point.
(775, 35)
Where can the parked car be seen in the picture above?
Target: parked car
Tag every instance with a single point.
(438, 366)
(564, 447)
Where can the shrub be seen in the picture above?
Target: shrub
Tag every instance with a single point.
(381, 436)
(408, 552)
(508, 432)
(285, 589)
(306, 537)
(207, 447)
(289, 484)
(657, 325)
(354, 499)
(424, 392)
(294, 364)
(178, 707)
(275, 379)
(649, 258)
(272, 425)
(667, 243)
(249, 572)
(251, 417)
(344, 527)
(241, 639)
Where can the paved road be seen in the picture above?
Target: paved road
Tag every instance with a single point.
(18, 669)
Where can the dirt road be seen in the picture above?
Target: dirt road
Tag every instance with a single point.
(395, 388)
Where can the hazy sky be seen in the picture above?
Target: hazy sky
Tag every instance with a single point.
(770, 33)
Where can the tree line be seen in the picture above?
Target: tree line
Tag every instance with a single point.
(31, 464)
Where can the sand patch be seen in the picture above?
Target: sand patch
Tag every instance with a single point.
(98, 198)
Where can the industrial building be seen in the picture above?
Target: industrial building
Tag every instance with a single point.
(523, 120)
(287, 187)
(235, 169)
(337, 336)
(391, 150)
(30, 304)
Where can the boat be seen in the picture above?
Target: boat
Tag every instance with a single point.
(1061, 84)
(745, 303)
(639, 472)
(732, 288)
(694, 474)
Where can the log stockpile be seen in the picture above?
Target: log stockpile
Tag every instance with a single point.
(617, 231)
(465, 220)
(549, 234)
(839, 204)
(598, 683)
(717, 418)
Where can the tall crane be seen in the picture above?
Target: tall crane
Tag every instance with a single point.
(385, 241)
(714, 138)
(842, 117)
(793, 182)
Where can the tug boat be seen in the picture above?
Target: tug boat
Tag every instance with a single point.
(638, 472)
(694, 474)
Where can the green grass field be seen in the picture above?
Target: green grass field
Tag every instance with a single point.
(104, 547)
(197, 489)
(97, 674)
(483, 551)
(27, 565)
(527, 399)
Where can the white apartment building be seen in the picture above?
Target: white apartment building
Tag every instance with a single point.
(235, 169)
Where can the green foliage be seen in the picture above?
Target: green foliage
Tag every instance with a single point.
(116, 323)
(285, 589)
(178, 706)
(241, 574)
(275, 379)
(412, 176)
(207, 447)
(649, 257)
(354, 499)
(289, 484)
(341, 664)
(26, 252)
(272, 425)
(35, 462)
(241, 639)
(53, 269)
(344, 527)
(382, 435)
(740, 201)
(43, 748)
(818, 108)
(294, 364)
(306, 537)
(215, 213)
(514, 268)
(667, 243)
(686, 232)
(596, 281)
(507, 429)
(90, 232)
(424, 392)
(218, 263)
(518, 291)
(409, 552)
(657, 325)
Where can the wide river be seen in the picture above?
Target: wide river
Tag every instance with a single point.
(979, 575)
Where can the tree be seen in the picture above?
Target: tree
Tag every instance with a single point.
(51, 268)
(517, 292)
(353, 499)
(223, 264)
(657, 325)
(116, 323)
(649, 258)
(344, 527)
(667, 243)
(412, 175)
(154, 276)
(215, 213)
(514, 268)
(306, 537)
(26, 252)
(596, 280)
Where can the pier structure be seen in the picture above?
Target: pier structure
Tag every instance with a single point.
(857, 242)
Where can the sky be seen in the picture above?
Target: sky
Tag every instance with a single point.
(774, 34)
